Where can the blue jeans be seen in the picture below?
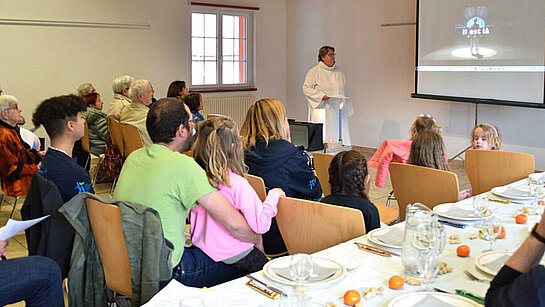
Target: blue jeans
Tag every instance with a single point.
(35, 279)
(196, 269)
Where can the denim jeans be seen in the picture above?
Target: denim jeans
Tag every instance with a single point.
(253, 262)
(35, 279)
(196, 269)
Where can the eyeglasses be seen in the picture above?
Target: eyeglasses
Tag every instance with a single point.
(331, 54)
(194, 120)
(15, 107)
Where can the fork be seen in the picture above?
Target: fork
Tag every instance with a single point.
(473, 277)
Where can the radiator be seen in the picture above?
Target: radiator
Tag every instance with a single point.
(234, 107)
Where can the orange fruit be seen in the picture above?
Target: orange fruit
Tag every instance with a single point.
(521, 219)
(502, 233)
(352, 297)
(396, 282)
(541, 203)
(463, 251)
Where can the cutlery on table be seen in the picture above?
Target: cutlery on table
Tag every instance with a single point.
(277, 290)
(477, 298)
(376, 250)
(475, 278)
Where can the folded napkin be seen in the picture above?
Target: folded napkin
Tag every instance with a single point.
(394, 236)
(460, 212)
(520, 191)
(496, 264)
(431, 301)
(319, 273)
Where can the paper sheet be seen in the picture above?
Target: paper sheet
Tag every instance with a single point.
(14, 227)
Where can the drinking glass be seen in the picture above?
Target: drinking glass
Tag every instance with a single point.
(491, 231)
(428, 267)
(536, 189)
(480, 207)
(300, 270)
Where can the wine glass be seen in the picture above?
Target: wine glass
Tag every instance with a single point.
(427, 266)
(536, 190)
(480, 207)
(300, 270)
(491, 231)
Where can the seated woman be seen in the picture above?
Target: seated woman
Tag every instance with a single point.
(177, 89)
(270, 155)
(19, 162)
(348, 176)
(96, 123)
(194, 103)
(398, 150)
(428, 150)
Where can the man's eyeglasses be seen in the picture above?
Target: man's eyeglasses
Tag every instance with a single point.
(194, 120)
(15, 107)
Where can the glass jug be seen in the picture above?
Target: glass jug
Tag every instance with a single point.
(422, 232)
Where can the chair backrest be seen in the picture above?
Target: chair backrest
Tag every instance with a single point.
(131, 138)
(321, 166)
(425, 185)
(114, 127)
(188, 153)
(85, 139)
(259, 186)
(309, 226)
(209, 116)
(491, 168)
(105, 223)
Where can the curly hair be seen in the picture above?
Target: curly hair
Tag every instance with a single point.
(218, 149)
(347, 173)
(424, 122)
(428, 150)
(54, 112)
(492, 135)
(265, 120)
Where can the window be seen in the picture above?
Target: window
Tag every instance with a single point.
(222, 48)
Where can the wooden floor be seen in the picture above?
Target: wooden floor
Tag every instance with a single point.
(18, 248)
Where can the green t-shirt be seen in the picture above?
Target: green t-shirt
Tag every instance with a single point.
(167, 181)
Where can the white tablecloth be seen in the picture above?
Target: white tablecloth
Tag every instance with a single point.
(370, 270)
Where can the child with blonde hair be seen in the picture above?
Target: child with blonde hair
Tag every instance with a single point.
(219, 151)
(486, 136)
(424, 122)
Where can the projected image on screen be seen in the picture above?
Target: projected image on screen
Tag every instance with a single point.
(482, 49)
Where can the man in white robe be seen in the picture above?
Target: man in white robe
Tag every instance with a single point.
(325, 90)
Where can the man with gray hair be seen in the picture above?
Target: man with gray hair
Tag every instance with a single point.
(141, 94)
(85, 88)
(121, 86)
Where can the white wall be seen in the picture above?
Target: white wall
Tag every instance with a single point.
(39, 62)
(379, 66)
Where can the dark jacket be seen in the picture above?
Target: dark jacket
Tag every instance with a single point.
(367, 208)
(53, 237)
(512, 288)
(282, 165)
(98, 130)
(149, 253)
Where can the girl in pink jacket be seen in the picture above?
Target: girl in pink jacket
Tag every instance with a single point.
(218, 149)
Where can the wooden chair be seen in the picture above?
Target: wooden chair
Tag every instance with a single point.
(308, 226)
(259, 186)
(105, 223)
(487, 169)
(131, 138)
(85, 142)
(321, 166)
(425, 185)
(209, 116)
(114, 127)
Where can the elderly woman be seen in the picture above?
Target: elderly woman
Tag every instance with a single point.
(96, 123)
(18, 162)
(271, 156)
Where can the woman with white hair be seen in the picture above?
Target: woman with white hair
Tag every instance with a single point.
(18, 162)
(120, 87)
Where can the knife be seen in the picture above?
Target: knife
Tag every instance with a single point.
(375, 250)
(277, 290)
(477, 298)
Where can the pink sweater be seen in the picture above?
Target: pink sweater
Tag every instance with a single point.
(388, 152)
(213, 239)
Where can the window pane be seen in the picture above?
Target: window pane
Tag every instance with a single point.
(234, 72)
(197, 73)
(197, 24)
(210, 49)
(210, 73)
(197, 49)
(210, 25)
(228, 49)
(227, 75)
(228, 26)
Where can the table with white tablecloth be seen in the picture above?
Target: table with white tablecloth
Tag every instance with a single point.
(366, 269)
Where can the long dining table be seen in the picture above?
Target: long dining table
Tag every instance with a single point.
(368, 270)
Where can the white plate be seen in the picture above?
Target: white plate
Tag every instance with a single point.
(501, 191)
(442, 210)
(411, 299)
(487, 258)
(380, 231)
(285, 261)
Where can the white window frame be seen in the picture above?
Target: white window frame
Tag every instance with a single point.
(250, 47)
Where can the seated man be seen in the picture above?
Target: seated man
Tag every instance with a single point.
(521, 281)
(141, 94)
(19, 162)
(162, 178)
(121, 86)
(61, 117)
(35, 280)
